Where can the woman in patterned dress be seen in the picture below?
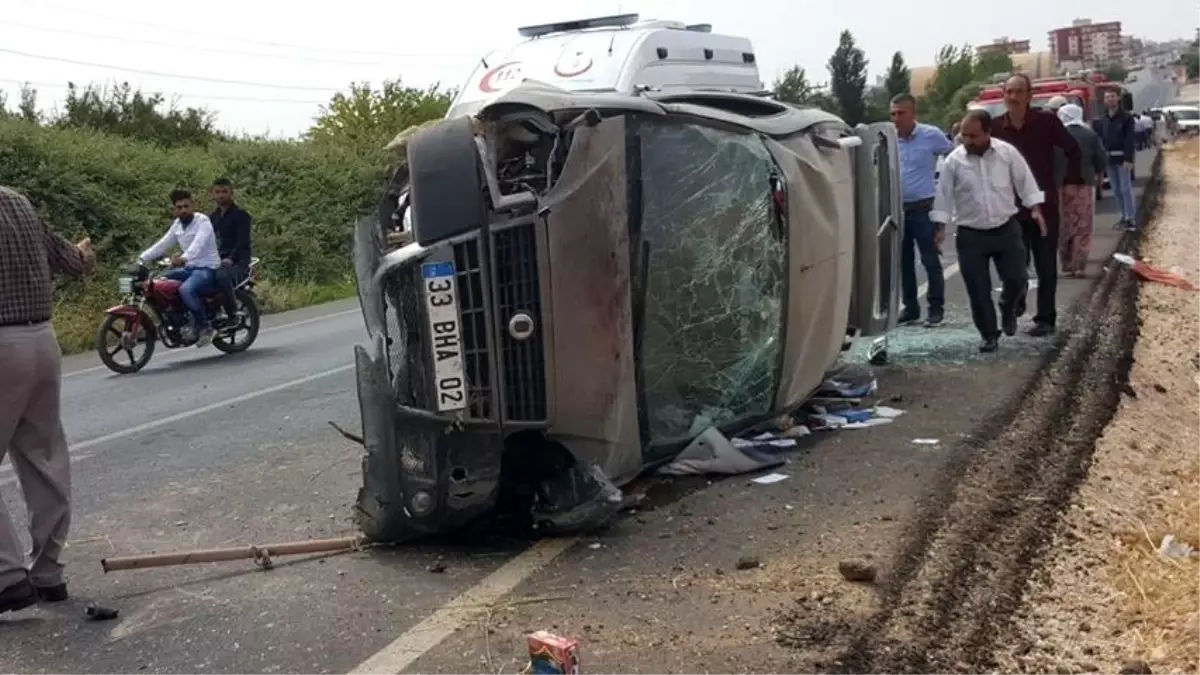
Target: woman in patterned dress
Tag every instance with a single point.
(1078, 202)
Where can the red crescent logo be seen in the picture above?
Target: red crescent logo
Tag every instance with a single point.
(581, 67)
(501, 77)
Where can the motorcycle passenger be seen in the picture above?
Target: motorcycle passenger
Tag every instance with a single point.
(195, 267)
(232, 226)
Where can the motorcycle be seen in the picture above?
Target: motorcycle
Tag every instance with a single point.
(153, 311)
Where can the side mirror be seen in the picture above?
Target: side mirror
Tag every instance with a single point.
(1127, 101)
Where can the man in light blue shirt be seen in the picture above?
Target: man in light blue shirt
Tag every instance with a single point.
(920, 147)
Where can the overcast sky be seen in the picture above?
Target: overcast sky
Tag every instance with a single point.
(305, 56)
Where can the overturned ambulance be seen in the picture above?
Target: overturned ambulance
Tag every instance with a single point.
(596, 277)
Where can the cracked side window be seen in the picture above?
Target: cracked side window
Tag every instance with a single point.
(714, 279)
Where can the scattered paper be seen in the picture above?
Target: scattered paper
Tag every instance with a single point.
(885, 411)
(925, 441)
(867, 424)
(770, 478)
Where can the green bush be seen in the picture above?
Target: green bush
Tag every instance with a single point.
(304, 198)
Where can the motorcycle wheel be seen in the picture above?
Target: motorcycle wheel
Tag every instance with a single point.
(247, 331)
(117, 326)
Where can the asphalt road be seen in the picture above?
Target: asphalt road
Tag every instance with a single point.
(203, 450)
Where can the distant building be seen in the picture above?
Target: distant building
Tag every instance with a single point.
(1084, 44)
(1004, 46)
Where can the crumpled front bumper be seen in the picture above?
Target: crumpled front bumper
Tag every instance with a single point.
(424, 472)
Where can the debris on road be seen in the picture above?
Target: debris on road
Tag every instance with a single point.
(261, 555)
(850, 381)
(438, 567)
(857, 571)
(770, 478)
(747, 562)
(1154, 274)
(926, 441)
(712, 453)
(100, 613)
(552, 654)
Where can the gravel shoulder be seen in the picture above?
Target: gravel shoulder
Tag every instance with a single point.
(1106, 599)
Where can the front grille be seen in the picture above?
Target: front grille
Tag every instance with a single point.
(471, 310)
(518, 290)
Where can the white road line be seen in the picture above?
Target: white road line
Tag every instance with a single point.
(946, 274)
(421, 638)
(264, 331)
(76, 448)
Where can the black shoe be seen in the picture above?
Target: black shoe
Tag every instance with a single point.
(909, 316)
(989, 345)
(57, 593)
(1008, 323)
(18, 596)
(934, 318)
(1041, 330)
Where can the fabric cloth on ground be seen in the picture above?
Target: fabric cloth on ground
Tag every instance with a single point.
(712, 453)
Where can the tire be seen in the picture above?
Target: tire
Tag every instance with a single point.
(109, 325)
(249, 305)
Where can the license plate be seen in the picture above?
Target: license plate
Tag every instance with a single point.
(441, 303)
(125, 285)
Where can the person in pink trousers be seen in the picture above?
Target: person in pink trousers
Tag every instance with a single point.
(1078, 202)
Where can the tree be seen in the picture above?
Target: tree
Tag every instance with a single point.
(129, 112)
(375, 116)
(848, 79)
(992, 63)
(1191, 61)
(954, 70)
(1116, 72)
(793, 87)
(27, 108)
(899, 77)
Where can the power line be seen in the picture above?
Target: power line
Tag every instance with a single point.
(180, 94)
(211, 36)
(198, 78)
(283, 57)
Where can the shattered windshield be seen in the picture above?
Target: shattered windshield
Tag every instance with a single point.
(712, 266)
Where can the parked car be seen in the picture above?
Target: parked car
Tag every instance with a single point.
(596, 278)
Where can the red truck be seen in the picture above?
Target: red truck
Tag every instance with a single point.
(1086, 91)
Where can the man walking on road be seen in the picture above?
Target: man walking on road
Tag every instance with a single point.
(976, 188)
(232, 226)
(30, 426)
(920, 147)
(1117, 129)
(1036, 134)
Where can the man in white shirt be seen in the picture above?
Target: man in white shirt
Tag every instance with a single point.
(976, 189)
(197, 264)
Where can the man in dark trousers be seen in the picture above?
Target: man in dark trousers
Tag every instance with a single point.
(1036, 134)
(976, 191)
(232, 225)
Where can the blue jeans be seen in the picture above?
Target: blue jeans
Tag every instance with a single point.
(197, 281)
(918, 230)
(1122, 187)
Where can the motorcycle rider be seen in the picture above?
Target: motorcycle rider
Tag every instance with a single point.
(195, 267)
(232, 226)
